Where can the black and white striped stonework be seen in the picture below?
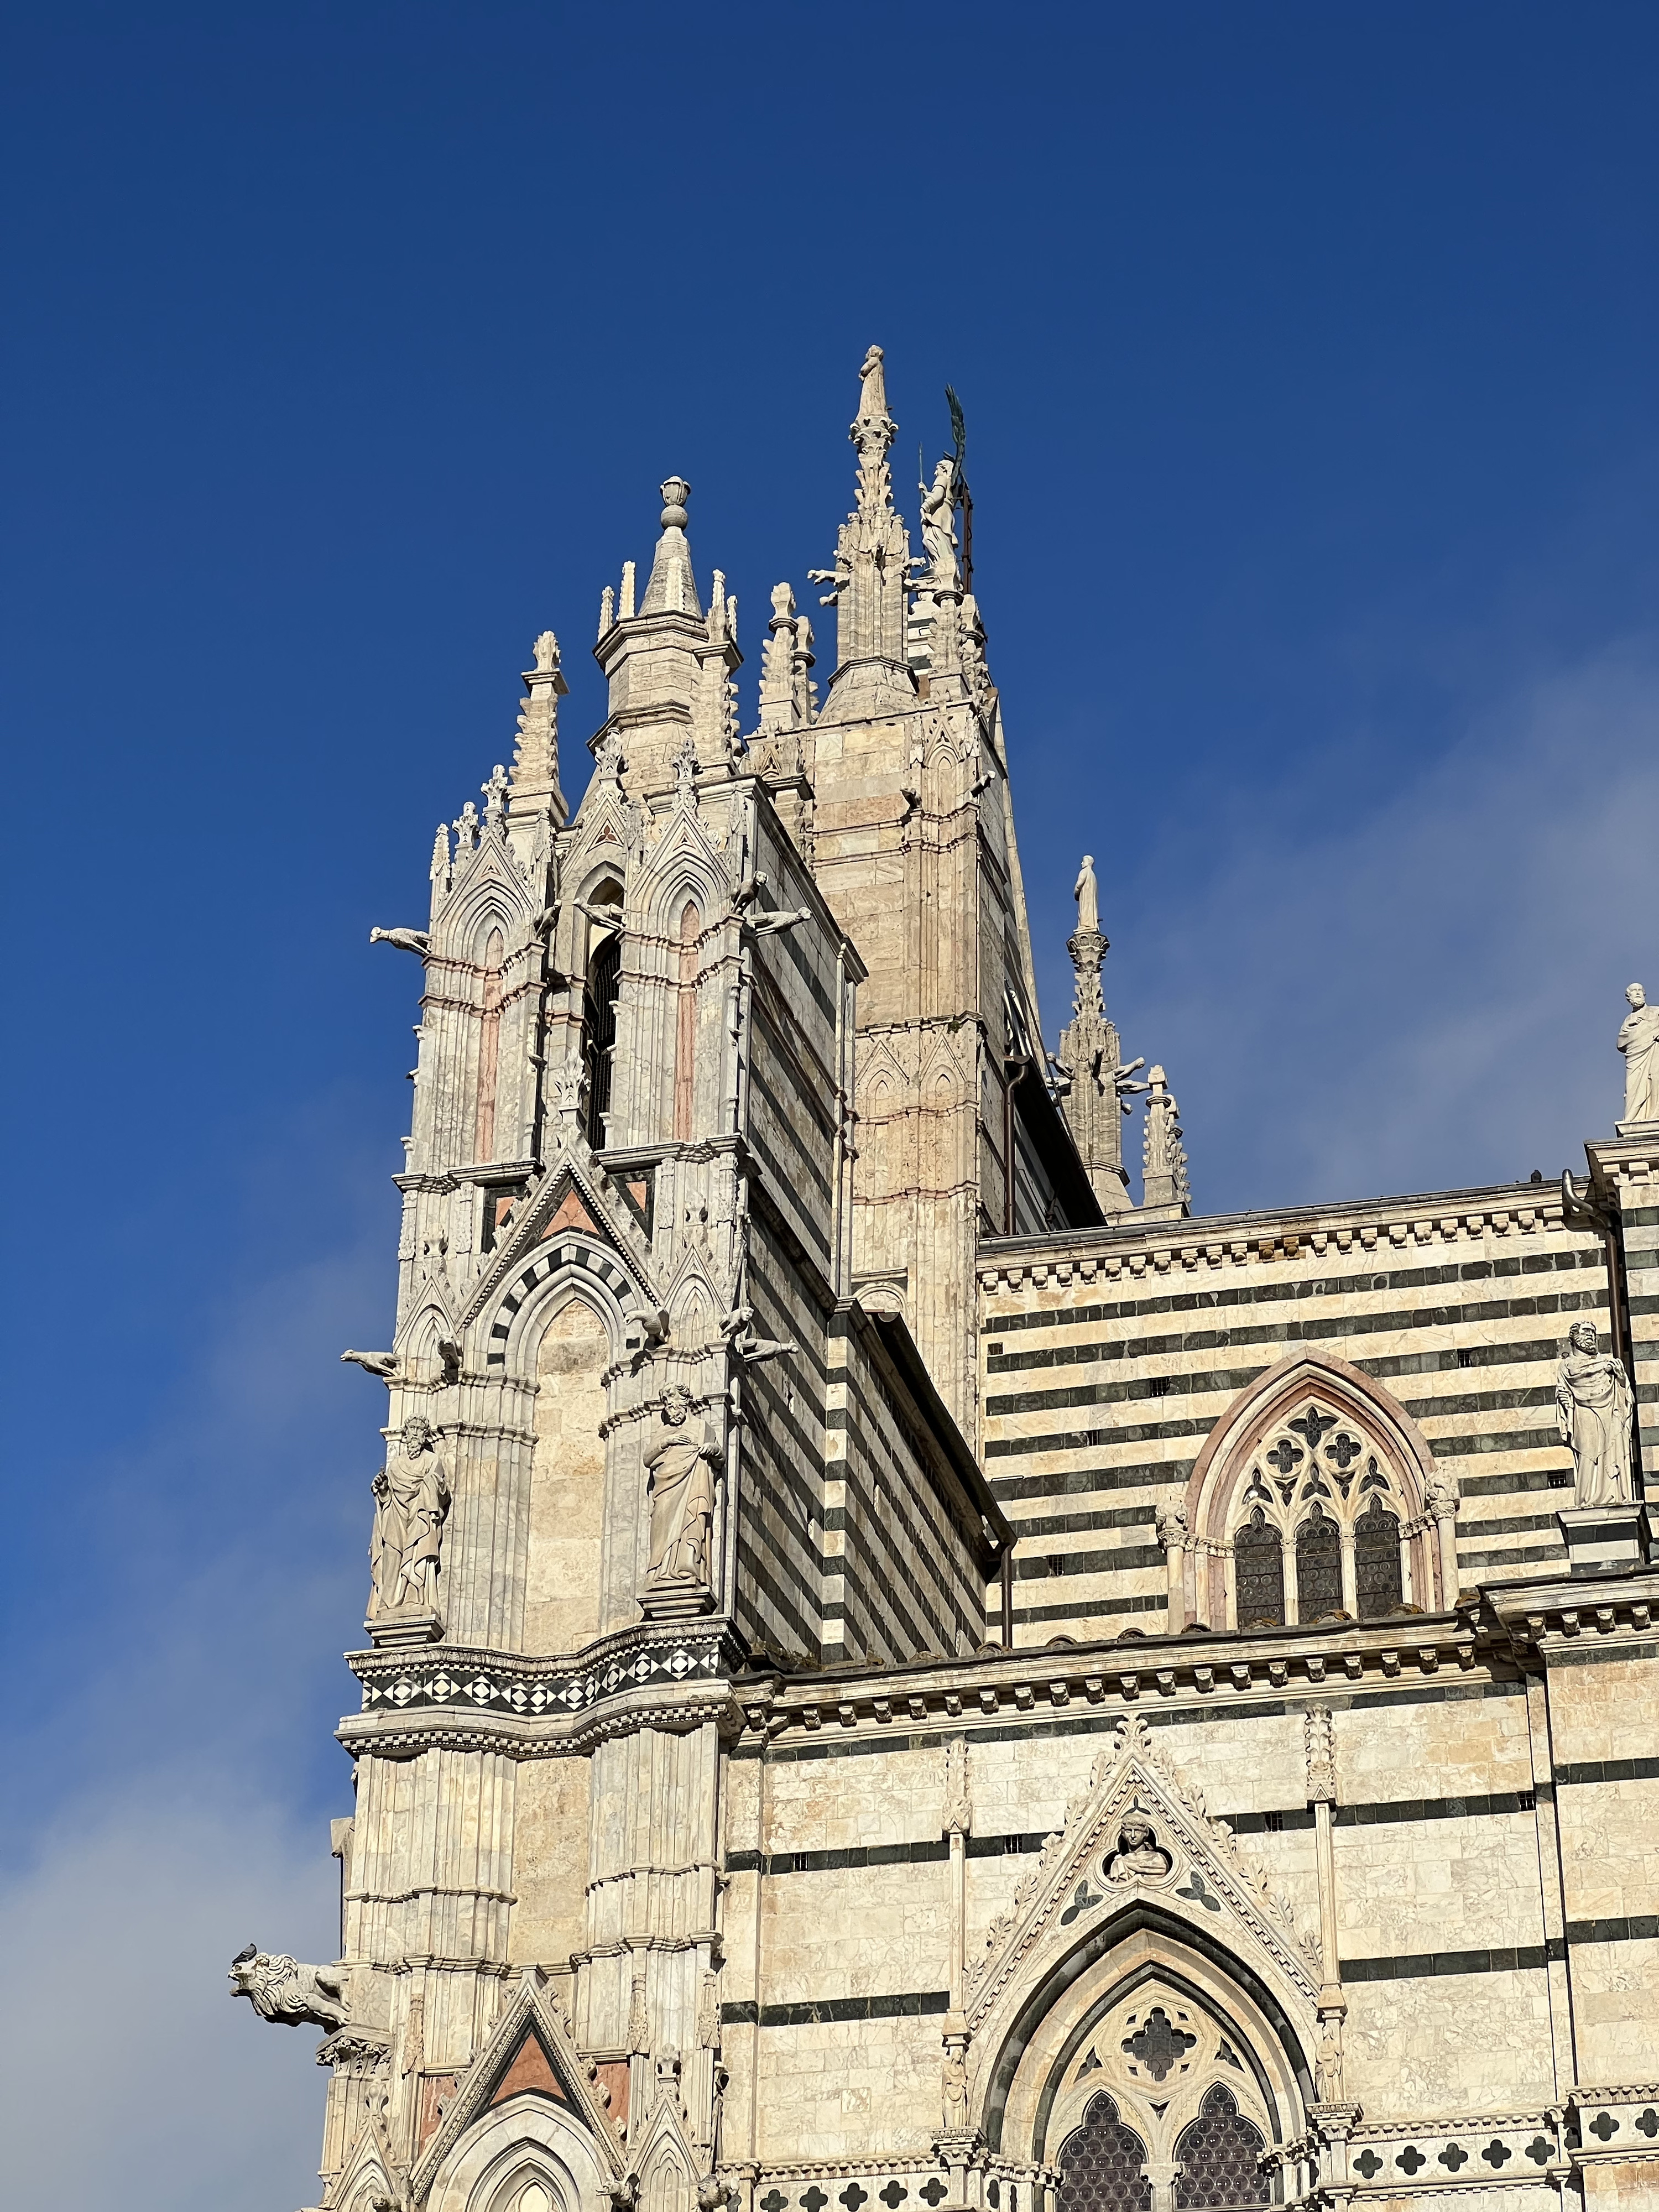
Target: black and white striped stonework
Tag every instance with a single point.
(1108, 1356)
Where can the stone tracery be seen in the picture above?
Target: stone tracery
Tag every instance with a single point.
(1316, 1497)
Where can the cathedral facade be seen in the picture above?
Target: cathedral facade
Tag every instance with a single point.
(896, 1675)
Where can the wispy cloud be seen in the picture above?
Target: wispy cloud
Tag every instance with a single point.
(1423, 994)
(167, 1802)
(128, 2075)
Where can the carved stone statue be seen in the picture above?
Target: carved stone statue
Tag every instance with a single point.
(1639, 1040)
(1592, 1412)
(1086, 891)
(938, 535)
(955, 2088)
(1138, 1857)
(681, 1468)
(406, 940)
(280, 1988)
(411, 1503)
(1327, 2070)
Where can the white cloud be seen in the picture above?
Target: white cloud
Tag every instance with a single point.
(174, 1790)
(128, 2074)
(1421, 995)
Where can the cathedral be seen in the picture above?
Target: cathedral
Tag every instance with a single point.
(897, 1673)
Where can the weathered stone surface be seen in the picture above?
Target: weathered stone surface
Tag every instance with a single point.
(899, 1674)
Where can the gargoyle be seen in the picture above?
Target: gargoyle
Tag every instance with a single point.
(280, 1988)
(647, 1331)
(383, 1363)
(769, 925)
(406, 940)
(738, 1328)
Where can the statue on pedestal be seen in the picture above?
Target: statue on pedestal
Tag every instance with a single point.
(411, 1503)
(938, 535)
(1639, 1040)
(1086, 891)
(681, 1468)
(1592, 1412)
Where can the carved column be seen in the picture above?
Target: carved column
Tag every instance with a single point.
(1350, 1571)
(1319, 1738)
(1442, 1501)
(1163, 2173)
(958, 1819)
(1173, 1535)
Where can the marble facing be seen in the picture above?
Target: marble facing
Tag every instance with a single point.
(829, 1721)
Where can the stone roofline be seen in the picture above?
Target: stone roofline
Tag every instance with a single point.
(1288, 1232)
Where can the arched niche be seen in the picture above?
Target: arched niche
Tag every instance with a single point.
(566, 1476)
(1309, 1500)
(1148, 2066)
(527, 2143)
(601, 985)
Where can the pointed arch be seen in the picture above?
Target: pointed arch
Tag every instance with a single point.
(489, 2145)
(1156, 2013)
(690, 931)
(489, 1044)
(564, 1538)
(1304, 1453)
(1141, 1903)
(667, 2167)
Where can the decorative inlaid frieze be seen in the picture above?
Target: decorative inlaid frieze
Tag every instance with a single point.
(497, 1683)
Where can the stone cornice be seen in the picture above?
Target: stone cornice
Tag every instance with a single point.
(1541, 1618)
(1110, 1676)
(1305, 1233)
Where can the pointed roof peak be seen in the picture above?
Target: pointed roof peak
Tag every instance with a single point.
(672, 588)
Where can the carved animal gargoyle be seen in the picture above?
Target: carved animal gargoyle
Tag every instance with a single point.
(280, 1988)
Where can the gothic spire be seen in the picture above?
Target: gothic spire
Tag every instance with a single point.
(1164, 1156)
(1097, 1085)
(672, 588)
(869, 583)
(535, 753)
(872, 434)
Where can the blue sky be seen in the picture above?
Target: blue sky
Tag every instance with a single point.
(1309, 360)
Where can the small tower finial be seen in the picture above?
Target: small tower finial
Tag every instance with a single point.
(672, 588)
(535, 779)
(1164, 1156)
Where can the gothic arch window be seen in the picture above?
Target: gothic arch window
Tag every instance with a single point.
(599, 1014)
(1321, 1458)
(685, 1021)
(1377, 1560)
(1259, 1560)
(1217, 2156)
(1157, 2079)
(1103, 2164)
(1318, 1566)
(489, 1047)
(531, 2190)
(1313, 1474)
